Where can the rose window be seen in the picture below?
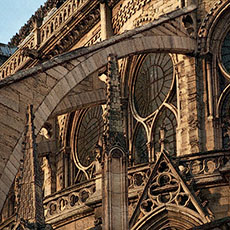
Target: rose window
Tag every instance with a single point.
(153, 83)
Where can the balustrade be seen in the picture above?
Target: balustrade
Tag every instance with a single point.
(204, 168)
(68, 200)
(208, 167)
(56, 20)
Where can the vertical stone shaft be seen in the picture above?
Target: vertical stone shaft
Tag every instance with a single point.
(186, 3)
(114, 186)
(106, 20)
(37, 24)
(30, 197)
(189, 126)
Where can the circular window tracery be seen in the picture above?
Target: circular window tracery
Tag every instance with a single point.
(153, 83)
(225, 53)
(87, 135)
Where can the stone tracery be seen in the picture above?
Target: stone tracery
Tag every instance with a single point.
(157, 130)
(165, 188)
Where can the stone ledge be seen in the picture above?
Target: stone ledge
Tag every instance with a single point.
(68, 56)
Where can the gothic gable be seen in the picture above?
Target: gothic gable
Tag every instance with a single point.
(168, 196)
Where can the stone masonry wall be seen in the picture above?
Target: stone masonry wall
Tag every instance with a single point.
(189, 135)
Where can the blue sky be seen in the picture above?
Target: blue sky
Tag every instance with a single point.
(14, 14)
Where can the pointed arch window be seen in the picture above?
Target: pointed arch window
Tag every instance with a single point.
(87, 129)
(153, 106)
(165, 128)
(225, 121)
(140, 145)
(225, 53)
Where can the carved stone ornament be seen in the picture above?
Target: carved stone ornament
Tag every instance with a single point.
(166, 187)
(201, 167)
(68, 202)
(24, 225)
(112, 115)
(116, 153)
(39, 14)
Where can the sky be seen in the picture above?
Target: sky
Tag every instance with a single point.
(14, 14)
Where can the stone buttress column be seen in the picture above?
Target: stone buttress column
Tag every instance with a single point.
(37, 34)
(213, 134)
(30, 211)
(47, 148)
(189, 135)
(106, 20)
(114, 157)
(186, 3)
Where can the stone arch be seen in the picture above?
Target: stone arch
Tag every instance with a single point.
(214, 24)
(83, 95)
(212, 33)
(223, 109)
(98, 59)
(66, 72)
(169, 216)
(222, 99)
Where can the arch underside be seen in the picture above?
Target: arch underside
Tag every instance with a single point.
(57, 83)
(169, 217)
(214, 24)
(213, 40)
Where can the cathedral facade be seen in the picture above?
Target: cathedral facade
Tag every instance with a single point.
(115, 115)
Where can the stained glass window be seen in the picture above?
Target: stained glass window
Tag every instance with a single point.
(225, 53)
(225, 120)
(88, 134)
(140, 147)
(166, 121)
(153, 82)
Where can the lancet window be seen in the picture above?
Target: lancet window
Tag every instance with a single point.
(150, 117)
(224, 96)
(153, 106)
(84, 132)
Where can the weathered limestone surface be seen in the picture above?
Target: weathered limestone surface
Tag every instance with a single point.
(84, 223)
(218, 201)
(189, 135)
(114, 157)
(46, 85)
(68, 85)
